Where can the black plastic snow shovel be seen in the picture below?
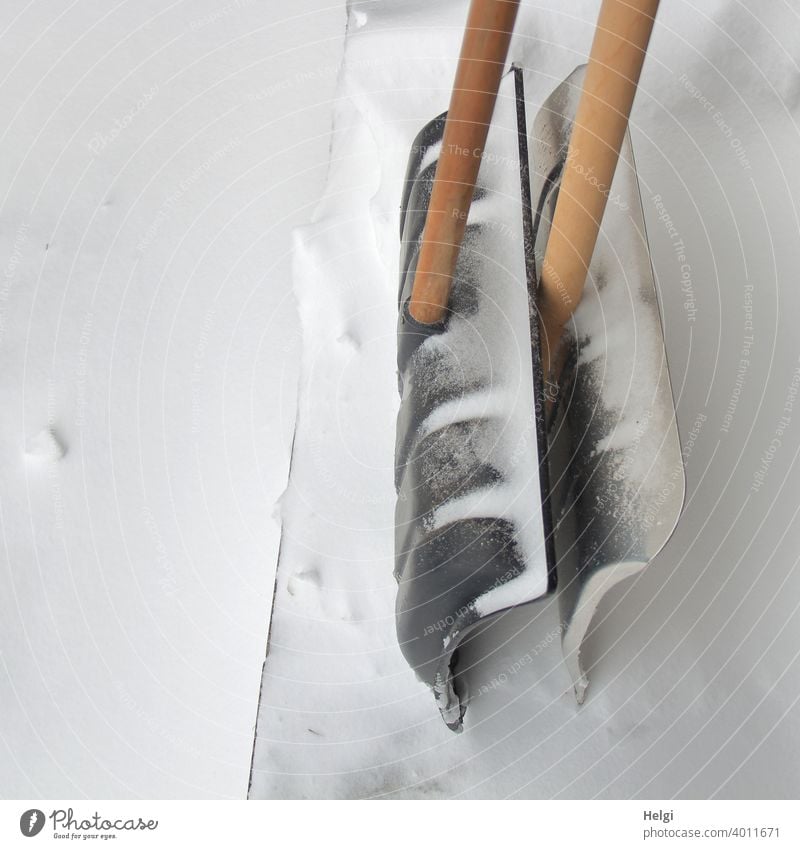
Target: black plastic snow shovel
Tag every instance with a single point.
(500, 485)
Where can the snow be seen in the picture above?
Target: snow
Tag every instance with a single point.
(693, 665)
(154, 159)
(45, 446)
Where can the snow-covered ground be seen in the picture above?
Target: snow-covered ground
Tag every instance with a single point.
(693, 666)
(154, 159)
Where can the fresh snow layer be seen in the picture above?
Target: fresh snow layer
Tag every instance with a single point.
(694, 670)
(154, 159)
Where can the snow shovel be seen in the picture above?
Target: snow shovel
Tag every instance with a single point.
(498, 235)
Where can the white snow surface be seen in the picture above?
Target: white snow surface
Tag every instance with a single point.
(693, 666)
(154, 159)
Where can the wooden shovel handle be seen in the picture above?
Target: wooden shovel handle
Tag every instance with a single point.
(618, 51)
(480, 66)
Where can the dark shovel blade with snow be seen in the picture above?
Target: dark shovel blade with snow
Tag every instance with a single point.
(473, 530)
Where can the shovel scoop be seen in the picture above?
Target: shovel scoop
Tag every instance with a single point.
(509, 475)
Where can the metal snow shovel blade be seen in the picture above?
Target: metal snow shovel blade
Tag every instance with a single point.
(473, 530)
(614, 455)
(474, 516)
(472, 523)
